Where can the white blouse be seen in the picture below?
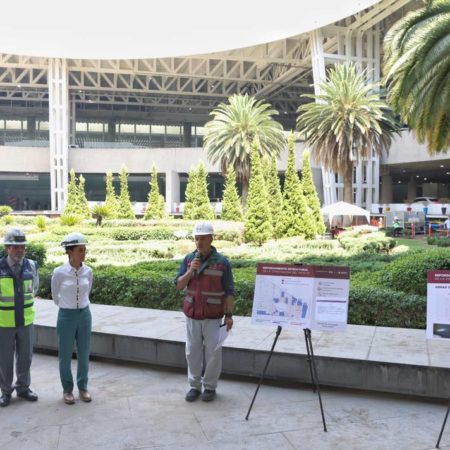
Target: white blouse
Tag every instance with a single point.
(71, 287)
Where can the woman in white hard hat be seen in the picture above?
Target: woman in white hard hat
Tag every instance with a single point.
(71, 285)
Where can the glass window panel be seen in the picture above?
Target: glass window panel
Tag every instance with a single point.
(127, 128)
(142, 129)
(158, 129)
(173, 130)
(81, 126)
(96, 127)
(13, 124)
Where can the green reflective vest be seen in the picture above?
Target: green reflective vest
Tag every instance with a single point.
(16, 295)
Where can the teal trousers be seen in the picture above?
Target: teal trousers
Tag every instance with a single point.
(74, 327)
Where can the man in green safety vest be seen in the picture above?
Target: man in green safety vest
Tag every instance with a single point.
(19, 283)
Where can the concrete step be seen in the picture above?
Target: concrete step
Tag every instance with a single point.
(382, 359)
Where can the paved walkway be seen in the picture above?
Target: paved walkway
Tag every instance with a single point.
(137, 407)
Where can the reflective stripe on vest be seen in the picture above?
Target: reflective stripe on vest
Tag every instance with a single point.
(205, 297)
(217, 273)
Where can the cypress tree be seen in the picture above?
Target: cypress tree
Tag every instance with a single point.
(71, 206)
(296, 217)
(197, 206)
(111, 200)
(156, 203)
(83, 205)
(258, 219)
(310, 193)
(203, 210)
(125, 207)
(190, 194)
(275, 199)
(231, 203)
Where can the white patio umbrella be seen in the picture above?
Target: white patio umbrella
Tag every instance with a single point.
(344, 209)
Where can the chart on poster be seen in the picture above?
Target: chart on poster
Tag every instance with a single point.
(438, 304)
(305, 296)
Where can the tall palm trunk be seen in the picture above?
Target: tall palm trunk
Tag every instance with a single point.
(348, 183)
(244, 192)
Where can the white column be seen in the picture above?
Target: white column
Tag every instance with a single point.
(58, 106)
(73, 121)
(172, 190)
(363, 48)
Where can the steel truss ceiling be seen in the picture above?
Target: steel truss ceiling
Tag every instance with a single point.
(186, 89)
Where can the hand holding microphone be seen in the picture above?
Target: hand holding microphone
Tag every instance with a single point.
(195, 264)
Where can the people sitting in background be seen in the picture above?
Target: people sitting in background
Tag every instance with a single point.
(447, 225)
(397, 227)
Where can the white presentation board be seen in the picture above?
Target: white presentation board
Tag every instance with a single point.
(438, 304)
(304, 296)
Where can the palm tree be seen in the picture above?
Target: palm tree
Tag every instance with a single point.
(417, 67)
(346, 124)
(229, 135)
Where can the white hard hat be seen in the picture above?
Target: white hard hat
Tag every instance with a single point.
(73, 239)
(395, 218)
(15, 237)
(202, 229)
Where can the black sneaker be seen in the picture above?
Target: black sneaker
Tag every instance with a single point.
(28, 395)
(4, 400)
(192, 395)
(208, 395)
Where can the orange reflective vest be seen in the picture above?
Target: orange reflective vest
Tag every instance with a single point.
(205, 296)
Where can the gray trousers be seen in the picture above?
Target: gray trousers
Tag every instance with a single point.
(203, 334)
(19, 342)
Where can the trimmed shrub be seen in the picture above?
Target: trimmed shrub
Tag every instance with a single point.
(5, 210)
(136, 234)
(231, 203)
(151, 285)
(258, 218)
(310, 193)
(70, 220)
(41, 222)
(409, 273)
(111, 200)
(125, 207)
(370, 243)
(8, 219)
(156, 208)
(228, 235)
(296, 218)
(386, 307)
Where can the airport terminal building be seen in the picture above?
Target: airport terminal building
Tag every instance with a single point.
(98, 111)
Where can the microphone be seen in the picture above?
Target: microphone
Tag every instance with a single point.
(196, 256)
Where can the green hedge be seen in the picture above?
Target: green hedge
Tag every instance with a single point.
(409, 273)
(368, 243)
(136, 234)
(34, 251)
(386, 307)
(150, 285)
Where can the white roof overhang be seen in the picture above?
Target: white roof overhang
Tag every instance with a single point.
(109, 29)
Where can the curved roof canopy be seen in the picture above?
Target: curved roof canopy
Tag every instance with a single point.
(109, 29)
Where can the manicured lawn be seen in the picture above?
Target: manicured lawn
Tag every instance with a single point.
(417, 242)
